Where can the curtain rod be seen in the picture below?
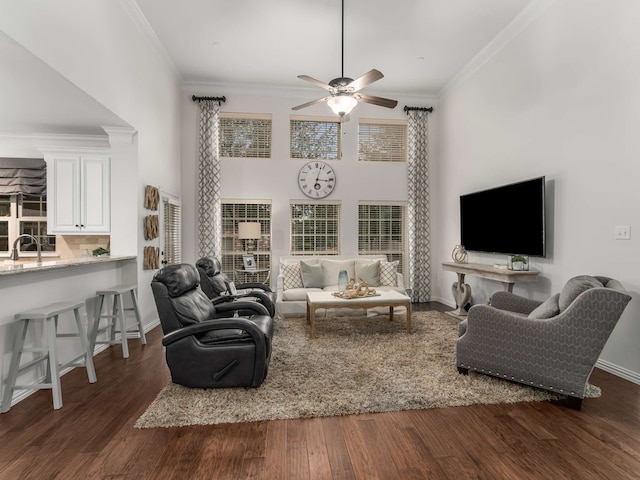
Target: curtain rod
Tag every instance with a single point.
(215, 99)
(421, 109)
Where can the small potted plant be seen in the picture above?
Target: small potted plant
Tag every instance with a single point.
(518, 262)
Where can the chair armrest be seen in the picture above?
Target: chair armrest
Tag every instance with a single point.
(216, 324)
(513, 303)
(255, 286)
(231, 307)
(400, 280)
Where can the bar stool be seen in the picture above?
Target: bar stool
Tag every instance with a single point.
(52, 378)
(117, 314)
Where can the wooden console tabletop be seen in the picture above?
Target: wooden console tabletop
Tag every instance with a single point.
(462, 292)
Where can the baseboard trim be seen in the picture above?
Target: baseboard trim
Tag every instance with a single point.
(445, 301)
(619, 371)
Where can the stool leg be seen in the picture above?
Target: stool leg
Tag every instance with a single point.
(88, 356)
(18, 344)
(134, 301)
(123, 326)
(112, 320)
(56, 390)
(96, 324)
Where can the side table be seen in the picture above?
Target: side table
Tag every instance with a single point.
(259, 275)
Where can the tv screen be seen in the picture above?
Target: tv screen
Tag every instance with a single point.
(508, 219)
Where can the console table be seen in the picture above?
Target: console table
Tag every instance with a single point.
(462, 292)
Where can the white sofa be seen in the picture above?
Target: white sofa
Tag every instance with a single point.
(301, 274)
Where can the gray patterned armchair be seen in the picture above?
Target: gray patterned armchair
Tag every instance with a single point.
(552, 345)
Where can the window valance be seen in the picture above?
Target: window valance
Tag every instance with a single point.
(26, 176)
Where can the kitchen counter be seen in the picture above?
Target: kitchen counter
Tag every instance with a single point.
(7, 269)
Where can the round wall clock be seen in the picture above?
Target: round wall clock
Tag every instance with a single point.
(317, 179)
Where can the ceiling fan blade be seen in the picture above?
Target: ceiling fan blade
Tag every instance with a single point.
(318, 83)
(313, 102)
(364, 80)
(382, 102)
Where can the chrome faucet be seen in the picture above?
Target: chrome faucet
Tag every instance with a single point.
(14, 252)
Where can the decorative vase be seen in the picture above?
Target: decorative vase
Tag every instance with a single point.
(343, 280)
(459, 254)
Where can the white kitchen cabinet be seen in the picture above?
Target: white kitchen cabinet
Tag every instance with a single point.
(78, 194)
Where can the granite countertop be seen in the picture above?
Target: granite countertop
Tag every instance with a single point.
(7, 269)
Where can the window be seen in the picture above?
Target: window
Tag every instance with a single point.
(315, 228)
(238, 211)
(382, 140)
(171, 230)
(315, 138)
(381, 231)
(24, 214)
(244, 135)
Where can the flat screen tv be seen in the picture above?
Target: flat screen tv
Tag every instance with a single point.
(508, 219)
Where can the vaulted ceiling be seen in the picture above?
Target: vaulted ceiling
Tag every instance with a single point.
(419, 45)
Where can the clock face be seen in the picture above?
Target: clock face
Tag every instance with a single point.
(317, 179)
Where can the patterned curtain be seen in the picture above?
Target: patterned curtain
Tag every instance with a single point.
(418, 212)
(209, 209)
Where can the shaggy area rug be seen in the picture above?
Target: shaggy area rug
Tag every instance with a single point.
(354, 365)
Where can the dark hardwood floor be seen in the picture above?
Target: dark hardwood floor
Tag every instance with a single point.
(92, 436)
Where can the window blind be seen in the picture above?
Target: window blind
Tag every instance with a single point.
(245, 135)
(382, 140)
(315, 138)
(381, 230)
(245, 210)
(172, 216)
(315, 228)
(23, 176)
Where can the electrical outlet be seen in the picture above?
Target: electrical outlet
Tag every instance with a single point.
(622, 233)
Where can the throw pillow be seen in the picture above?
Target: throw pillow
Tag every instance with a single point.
(575, 287)
(331, 269)
(549, 308)
(311, 275)
(389, 274)
(292, 275)
(369, 271)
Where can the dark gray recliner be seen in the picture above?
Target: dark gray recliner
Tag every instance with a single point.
(216, 285)
(205, 348)
(552, 345)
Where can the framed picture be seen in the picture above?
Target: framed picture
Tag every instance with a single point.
(249, 262)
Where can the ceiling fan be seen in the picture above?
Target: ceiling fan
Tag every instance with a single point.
(344, 91)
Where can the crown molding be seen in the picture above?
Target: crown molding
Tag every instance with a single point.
(528, 15)
(262, 90)
(47, 141)
(141, 22)
(120, 135)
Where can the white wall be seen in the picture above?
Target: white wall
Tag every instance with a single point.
(98, 47)
(275, 179)
(562, 99)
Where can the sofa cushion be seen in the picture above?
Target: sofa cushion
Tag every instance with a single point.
(298, 294)
(369, 271)
(292, 275)
(311, 275)
(331, 268)
(549, 308)
(574, 287)
(389, 274)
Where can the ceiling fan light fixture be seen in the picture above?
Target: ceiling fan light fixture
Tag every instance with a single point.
(342, 104)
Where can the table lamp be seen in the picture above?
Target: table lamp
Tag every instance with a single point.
(249, 231)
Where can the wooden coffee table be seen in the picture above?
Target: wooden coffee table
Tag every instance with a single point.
(387, 298)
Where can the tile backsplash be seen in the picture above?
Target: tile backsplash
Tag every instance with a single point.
(75, 246)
